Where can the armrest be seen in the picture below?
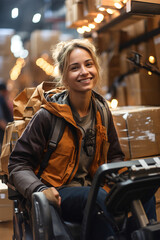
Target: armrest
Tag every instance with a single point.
(41, 217)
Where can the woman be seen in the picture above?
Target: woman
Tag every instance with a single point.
(67, 178)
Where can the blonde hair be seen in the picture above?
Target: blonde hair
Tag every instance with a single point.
(62, 51)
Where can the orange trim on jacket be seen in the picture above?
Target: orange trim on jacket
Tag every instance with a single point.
(64, 161)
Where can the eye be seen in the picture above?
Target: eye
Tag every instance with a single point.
(74, 67)
(89, 64)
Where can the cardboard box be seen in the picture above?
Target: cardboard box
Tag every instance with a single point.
(77, 11)
(142, 89)
(157, 47)
(5, 41)
(113, 67)
(6, 64)
(6, 230)
(124, 63)
(135, 29)
(104, 3)
(6, 205)
(104, 71)
(90, 8)
(42, 41)
(121, 95)
(138, 129)
(12, 132)
(75, 14)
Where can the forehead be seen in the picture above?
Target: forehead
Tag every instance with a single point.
(79, 54)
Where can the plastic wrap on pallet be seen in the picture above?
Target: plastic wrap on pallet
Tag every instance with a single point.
(138, 129)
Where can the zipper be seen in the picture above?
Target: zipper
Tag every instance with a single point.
(78, 147)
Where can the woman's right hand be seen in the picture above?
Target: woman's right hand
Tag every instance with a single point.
(53, 196)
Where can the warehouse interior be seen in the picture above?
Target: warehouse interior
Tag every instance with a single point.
(126, 34)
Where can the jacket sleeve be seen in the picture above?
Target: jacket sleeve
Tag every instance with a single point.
(115, 153)
(27, 154)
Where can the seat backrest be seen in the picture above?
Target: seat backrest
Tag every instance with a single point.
(41, 218)
(48, 223)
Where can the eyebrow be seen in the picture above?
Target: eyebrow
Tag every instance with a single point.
(72, 64)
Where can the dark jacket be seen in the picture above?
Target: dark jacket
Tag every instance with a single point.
(63, 164)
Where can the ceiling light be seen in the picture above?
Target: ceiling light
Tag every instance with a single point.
(152, 59)
(86, 29)
(96, 20)
(101, 9)
(100, 17)
(80, 30)
(91, 25)
(118, 5)
(114, 103)
(36, 18)
(17, 47)
(109, 11)
(24, 53)
(14, 12)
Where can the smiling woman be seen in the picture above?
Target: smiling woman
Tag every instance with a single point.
(79, 68)
(81, 72)
(89, 140)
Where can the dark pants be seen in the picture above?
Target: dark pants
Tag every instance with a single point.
(73, 205)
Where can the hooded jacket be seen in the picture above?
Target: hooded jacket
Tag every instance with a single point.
(63, 164)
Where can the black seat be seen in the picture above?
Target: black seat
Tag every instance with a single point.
(42, 219)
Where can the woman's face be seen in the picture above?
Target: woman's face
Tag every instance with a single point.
(81, 73)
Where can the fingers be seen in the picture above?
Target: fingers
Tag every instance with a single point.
(57, 196)
(53, 196)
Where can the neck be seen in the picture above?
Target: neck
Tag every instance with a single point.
(80, 102)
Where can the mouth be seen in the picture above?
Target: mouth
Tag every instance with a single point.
(85, 80)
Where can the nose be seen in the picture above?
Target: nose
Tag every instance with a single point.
(84, 70)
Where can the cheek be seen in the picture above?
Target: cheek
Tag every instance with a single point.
(65, 82)
(95, 82)
(71, 77)
(96, 75)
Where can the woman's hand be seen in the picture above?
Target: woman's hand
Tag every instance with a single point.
(53, 196)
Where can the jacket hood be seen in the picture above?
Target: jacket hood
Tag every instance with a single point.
(58, 103)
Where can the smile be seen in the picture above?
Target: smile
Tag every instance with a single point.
(85, 80)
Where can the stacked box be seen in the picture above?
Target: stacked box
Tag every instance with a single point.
(6, 205)
(7, 59)
(138, 129)
(90, 8)
(157, 47)
(5, 42)
(75, 13)
(6, 64)
(104, 3)
(42, 41)
(121, 95)
(142, 89)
